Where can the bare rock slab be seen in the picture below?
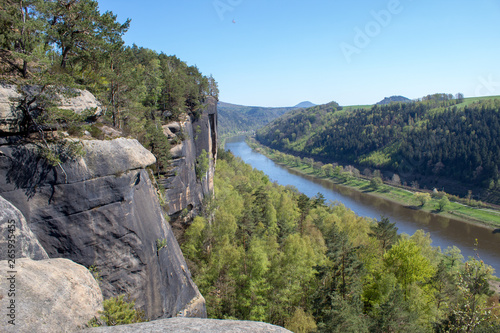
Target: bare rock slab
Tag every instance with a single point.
(53, 295)
(192, 325)
(14, 230)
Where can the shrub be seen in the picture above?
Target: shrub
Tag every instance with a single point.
(160, 244)
(96, 132)
(75, 130)
(376, 182)
(202, 164)
(95, 273)
(301, 322)
(442, 203)
(422, 198)
(121, 311)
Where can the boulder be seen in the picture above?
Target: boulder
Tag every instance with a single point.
(168, 133)
(53, 295)
(110, 132)
(192, 325)
(177, 151)
(11, 117)
(174, 127)
(83, 101)
(13, 227)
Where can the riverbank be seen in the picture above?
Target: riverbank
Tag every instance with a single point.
(433, 200)
(222, 139)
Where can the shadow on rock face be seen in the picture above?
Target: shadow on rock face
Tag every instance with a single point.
(23, 159)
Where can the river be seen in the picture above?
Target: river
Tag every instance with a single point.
(444, 232)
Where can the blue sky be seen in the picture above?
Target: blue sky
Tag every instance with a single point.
(282, 52)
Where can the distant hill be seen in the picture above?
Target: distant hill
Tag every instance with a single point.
(305, 104)
(391, 99)
(437, 140)
(234, 118)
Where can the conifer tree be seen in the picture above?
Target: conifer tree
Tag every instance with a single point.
(337, 303)
(386, 232)
(80, 31)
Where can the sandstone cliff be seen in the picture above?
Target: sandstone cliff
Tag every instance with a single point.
(104, 212)
(184, 192)
(102, 209)
(182, 187)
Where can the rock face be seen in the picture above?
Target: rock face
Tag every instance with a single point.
(53, 295)
(82, 102)
(182, 189)
(192, 325)
(13, 227)
(102, 210)
(10, 115)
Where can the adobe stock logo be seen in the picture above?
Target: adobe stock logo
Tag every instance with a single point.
(487, 86)
(223, 6)
(363, 37)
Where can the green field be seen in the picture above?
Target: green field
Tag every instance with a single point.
(470, 100)
(356, 107)
(467, 101)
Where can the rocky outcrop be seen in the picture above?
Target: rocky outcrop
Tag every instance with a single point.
(11, 116)
(14, 228)
(102, 210)
(182, 188)
(54, 295)
(83, 101)
(192, 325)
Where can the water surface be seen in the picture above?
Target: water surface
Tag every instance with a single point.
(444, 231)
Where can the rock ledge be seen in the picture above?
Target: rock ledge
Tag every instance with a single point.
(191, 325)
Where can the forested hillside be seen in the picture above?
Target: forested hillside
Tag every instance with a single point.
(437, 138)
(49, 47)
(265, 252)
(239, 118)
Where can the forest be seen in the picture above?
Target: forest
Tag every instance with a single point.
(235, 119)
(438, 137)
(50, 48)
(262, 251)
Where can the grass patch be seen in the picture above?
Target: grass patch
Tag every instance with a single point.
(356, 107)
(470, 100)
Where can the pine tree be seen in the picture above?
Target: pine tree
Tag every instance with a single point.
(79, 31)
(337, 303)
(22, 35)
(386, 232)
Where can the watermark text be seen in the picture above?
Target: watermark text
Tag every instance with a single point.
(11, 272)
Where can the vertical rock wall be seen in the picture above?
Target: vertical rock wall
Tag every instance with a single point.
(103, 210)
(184, 192)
